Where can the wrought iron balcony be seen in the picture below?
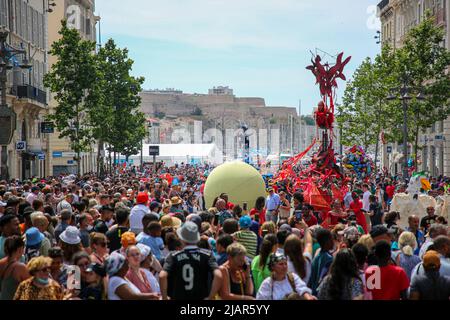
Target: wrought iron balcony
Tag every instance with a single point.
(32, 93)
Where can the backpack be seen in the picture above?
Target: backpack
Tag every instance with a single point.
(293, 295)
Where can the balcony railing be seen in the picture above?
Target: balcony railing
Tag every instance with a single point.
(32, 93)
(383, 4)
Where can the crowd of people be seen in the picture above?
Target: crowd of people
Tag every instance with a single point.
(149, 236)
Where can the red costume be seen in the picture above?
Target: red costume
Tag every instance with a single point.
(356, 207)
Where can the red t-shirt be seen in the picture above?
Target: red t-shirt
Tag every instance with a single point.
(356, 207)
(386, 283)
(390, 190)
(262, 215)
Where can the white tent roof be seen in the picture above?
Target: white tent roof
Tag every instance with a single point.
(182, 150)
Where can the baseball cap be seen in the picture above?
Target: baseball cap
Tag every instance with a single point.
(431, 260)
(142, 198)
(245, 222)
(154, 205)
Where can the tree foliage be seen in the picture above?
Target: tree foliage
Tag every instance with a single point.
(73, 81)
(421, 63)
(120, 124)
(98, 98)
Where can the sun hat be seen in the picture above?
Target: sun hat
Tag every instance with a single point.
(114, 263)
(169, 221)
(142, 198)
(145, 251)
(175, 200)
(33, 236)
(189, 233)
(70, 236)
(245, 222)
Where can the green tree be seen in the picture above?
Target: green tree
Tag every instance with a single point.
(423, 62)
(73, 81)
(364, 102)
(123, 125)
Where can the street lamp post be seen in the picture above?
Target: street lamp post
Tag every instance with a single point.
(404, 91)
(7, 115)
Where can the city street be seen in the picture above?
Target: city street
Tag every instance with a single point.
(236, 151)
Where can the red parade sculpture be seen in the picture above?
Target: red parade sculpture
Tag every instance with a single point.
(322, 181)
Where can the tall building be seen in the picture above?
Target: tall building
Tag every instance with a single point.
(397, 18)
(26, 22)
(79, 15)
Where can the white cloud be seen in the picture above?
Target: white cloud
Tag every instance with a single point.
(218, 24)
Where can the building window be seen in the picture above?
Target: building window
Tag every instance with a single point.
(3, 14)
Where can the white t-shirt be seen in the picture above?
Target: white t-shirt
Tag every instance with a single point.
(365, 201)
(277, 290)
(136, 215)
(114, 283)
(308, 259)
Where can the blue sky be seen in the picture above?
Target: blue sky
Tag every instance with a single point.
(260, 48)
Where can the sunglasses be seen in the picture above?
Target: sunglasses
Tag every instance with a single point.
(45, 269)
(136, 254)
(83, 265)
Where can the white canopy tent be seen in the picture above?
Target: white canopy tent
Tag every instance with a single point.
(177, 153)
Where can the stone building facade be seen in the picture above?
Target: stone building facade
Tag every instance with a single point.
(397, 18)
(80, 15)
(26, 22)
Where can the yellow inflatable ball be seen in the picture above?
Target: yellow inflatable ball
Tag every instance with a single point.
(239, 180)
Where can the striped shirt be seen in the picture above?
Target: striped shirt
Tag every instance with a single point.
(249, 240)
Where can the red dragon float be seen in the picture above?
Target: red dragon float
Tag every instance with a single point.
(323, 180)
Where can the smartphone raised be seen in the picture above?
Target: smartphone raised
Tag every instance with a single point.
(73, 278)
(298, 215)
